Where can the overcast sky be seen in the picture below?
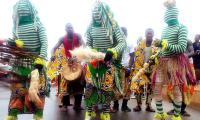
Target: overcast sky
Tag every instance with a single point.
(136, 15)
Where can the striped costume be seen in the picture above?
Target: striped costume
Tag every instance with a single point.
(103, 34)
(170, 34)
(28, 28)
(173, 68)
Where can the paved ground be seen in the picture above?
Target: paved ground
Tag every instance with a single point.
(52, 112)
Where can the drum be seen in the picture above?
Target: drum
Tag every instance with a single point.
(75, 85)
(72, 78)
(72, 70)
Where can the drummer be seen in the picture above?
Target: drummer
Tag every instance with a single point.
(70, 41)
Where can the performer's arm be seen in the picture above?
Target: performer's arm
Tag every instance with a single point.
(56, 46)
(43, 40)
(120, 39)
(12, 40)
(182, 41)
(81, 42)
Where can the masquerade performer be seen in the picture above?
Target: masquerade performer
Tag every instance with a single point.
(127, 62)
(143, 52)
(28, 95)
(103, 78)
(58, 68)
(173, 68)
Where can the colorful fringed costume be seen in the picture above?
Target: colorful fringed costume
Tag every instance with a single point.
(190, 91)
(173, 68)
(103, 82)
(29, 34)
(138, 85)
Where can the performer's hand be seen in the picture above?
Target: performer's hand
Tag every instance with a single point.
(127, 72)
(52, 58)
(38, 66)
(39, 63)
(153, 57)
(164, 44)
(19, 43)
(108, 56)
(157, 43)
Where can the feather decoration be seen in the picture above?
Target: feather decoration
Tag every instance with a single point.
(170, 3)
(87, 54)
(34, 87)
(19, 43)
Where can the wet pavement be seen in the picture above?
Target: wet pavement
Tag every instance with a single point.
(53, 112)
